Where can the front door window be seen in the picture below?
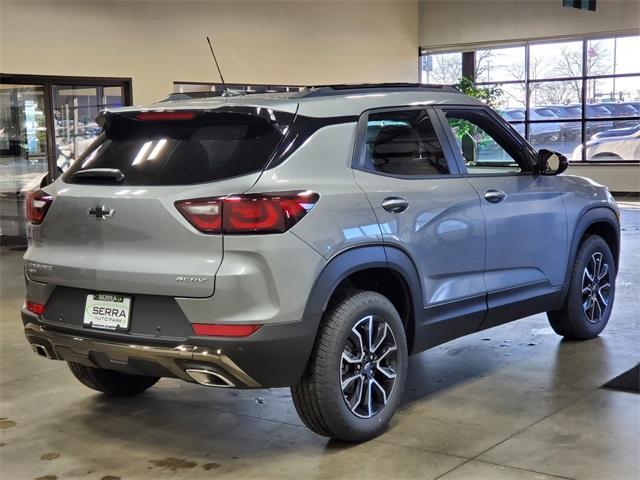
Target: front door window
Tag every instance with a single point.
(483, 144)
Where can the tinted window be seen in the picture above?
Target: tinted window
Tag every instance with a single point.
(205, 148)
(403, 143)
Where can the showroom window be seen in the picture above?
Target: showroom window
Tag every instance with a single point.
(45, 123)
(444, 68)
(578, 97)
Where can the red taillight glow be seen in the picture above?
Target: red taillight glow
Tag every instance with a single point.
(224, 330)
(250, 213)
(36, 308)
(205, 214)
(37, 204)
(165, 116)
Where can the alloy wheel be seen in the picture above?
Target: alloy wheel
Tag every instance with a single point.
(596, 287)
(368, 366)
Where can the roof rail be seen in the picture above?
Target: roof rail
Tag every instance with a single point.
(341, 89)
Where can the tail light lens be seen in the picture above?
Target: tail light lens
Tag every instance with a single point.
(38, 203)
(250, 213)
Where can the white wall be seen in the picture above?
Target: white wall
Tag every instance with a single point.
(619, 178)
(158, 42)
(447, 23)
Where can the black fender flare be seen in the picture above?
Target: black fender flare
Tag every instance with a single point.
(588, 218)
(361, 258)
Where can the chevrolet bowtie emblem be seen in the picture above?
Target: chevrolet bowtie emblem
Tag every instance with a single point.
(101, 212)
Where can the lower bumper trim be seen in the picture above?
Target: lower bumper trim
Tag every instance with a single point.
(177, 361)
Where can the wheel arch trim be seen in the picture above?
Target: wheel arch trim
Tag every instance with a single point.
(360, 258)
(589, 218)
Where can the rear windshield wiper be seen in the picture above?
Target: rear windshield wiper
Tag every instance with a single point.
(109, 173)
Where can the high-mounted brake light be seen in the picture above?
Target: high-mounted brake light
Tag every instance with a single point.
(250, 213)
(217, 330)
(37, 205)
(160, 116)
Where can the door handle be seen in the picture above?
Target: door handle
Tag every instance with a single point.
(494, 196)
(395, 204)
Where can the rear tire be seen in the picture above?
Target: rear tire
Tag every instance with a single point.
(353, 381)
(111, 382)
(589, 301)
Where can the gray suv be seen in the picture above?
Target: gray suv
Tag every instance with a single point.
(310, 240)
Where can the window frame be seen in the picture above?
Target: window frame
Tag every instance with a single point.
(469, 54)
(526, 163)
(358, 161)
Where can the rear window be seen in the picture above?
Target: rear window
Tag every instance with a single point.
(200, 148)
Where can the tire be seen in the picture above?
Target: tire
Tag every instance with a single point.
(582, 317)
(111, 382)
(340, 358)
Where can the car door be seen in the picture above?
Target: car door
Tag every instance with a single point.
(428, 210)
(526, 223)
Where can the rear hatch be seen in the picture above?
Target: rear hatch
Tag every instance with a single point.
(113, 225)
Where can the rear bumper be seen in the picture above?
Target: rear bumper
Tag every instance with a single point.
(274, 356)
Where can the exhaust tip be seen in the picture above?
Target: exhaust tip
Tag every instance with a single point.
(41, 350)
(209, 378)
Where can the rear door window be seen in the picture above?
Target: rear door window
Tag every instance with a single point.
(187, 148)
(403, 143)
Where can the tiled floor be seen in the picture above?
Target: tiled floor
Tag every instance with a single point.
(515, 402)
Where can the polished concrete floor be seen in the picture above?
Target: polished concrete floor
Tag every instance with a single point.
(515, 402)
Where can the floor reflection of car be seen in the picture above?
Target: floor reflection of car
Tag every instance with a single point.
(611, 148)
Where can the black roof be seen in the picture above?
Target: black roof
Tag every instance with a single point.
(341, 89)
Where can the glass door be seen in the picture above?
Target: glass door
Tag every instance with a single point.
(45, 123)
(23, 152)
(75, 109)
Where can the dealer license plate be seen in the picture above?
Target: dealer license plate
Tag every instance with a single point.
(107, 311)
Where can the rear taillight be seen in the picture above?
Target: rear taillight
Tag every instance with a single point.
(250, 213)
(38, 203)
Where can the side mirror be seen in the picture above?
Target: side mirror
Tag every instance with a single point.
(551, 163)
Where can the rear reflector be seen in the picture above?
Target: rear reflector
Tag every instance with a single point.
(250, 213)
(36, 206)
(36, 308)
(165, 116)
(224, 330)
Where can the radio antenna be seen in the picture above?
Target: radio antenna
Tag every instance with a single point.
(224, 85)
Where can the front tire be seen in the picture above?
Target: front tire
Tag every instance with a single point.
(589, 302)
(357, 370)
(111, 382)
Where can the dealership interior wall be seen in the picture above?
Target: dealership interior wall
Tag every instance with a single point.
(156, 43)
(159, 42)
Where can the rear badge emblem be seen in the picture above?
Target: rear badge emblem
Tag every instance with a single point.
(101, 212)
(192, 279)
